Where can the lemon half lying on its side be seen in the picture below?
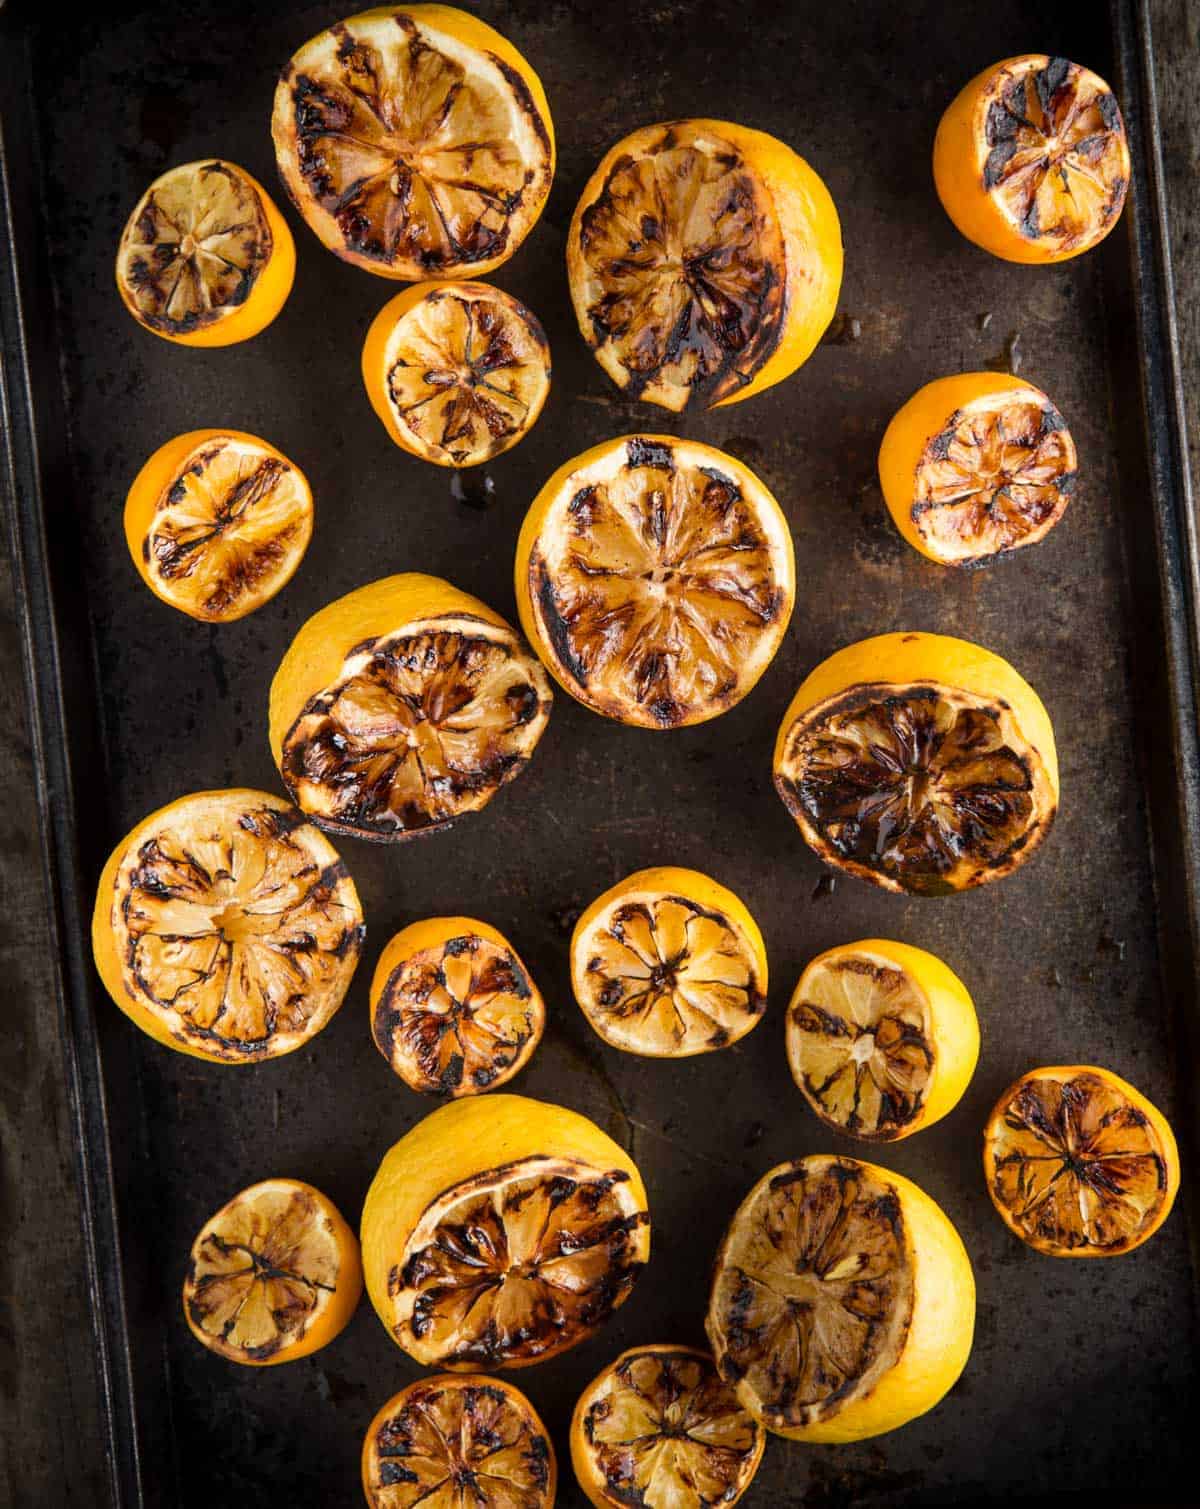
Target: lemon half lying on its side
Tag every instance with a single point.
(501, 1231)
(843, 1302)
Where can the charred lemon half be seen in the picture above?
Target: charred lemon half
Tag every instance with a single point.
(655, 577)
(669, 963)
(227, 927)
(217, 522)
(273, 1276)
(205, 259)
(882, 1038)
(918, 762)
(457, 372)
(453, 1008)
(415, 140)
(1031, 161)
(402, 706)
(660, 1427)
(705, 262)
(843, 1302)
(976, 466)
(1078, 1163)
(501, 1231)
(458, 1442)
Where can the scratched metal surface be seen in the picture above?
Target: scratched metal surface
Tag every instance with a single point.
(1081, 1373)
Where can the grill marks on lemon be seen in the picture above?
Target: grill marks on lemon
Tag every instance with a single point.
(859, 1041)
(997, 477)
(668, 964)
(272, 1276)
(517, 1263)
(411, 142)
(660, 1429)
(193, 248)
(235, 927)
(465, 372)
(227, 530)
(656, 578)
(1078, 1164)
(458, 1014)
(813, 1290)
(1058, 159)
(683, 286)
(458, 1443)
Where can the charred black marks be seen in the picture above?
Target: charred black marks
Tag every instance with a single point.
(640, 452)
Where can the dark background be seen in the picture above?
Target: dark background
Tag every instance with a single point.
(1083, 1375)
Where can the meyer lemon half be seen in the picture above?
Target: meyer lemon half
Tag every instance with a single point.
(1031, 161)
(976, 466)
(453, 1009)
(919, 762)
(843, 1302)
(660, 1427)
(501, 1231)
(226, 926)
(705, 262)
(273, 1276)
(402, 706)
(457, 372)
(655, 577)
(458, 1441)
(669, 963)
(217, 522)
(1078, 1163)
(882, 1038)
(415, 140)
(205, 259)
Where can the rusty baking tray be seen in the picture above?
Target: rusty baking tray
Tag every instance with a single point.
(1083, 1378)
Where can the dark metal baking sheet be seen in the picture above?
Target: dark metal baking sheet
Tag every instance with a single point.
(1083, 1375)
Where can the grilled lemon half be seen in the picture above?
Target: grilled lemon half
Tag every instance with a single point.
(705, 262)
(918, 762)
(415, 140)
(501, 1231)
(843, 1302)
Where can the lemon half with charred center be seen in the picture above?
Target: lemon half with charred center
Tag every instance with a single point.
(226, 926)
(918, 762)
(415, 140)
(402, 706)
(1031, 160)
(217, 522)
(975, 466)
(1078, 1163)
(655, 577)
(453, 1009)
(456, 1441)
(457, 372)
(501, 1231)
(882, 1038)
(843, 1302)
(660, 1426)
(205, 259)
(273, 1276)
(705, 261)
(669, 963)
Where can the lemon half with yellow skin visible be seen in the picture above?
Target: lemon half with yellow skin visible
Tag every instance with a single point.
(226, 927)
(705, 262)
(882, 1038)
(669, 963)
(842, 1303)
(500, 1231)
(403, 706)
(205, 258)
(919, 762)
(274, 1276)
(415, 140)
